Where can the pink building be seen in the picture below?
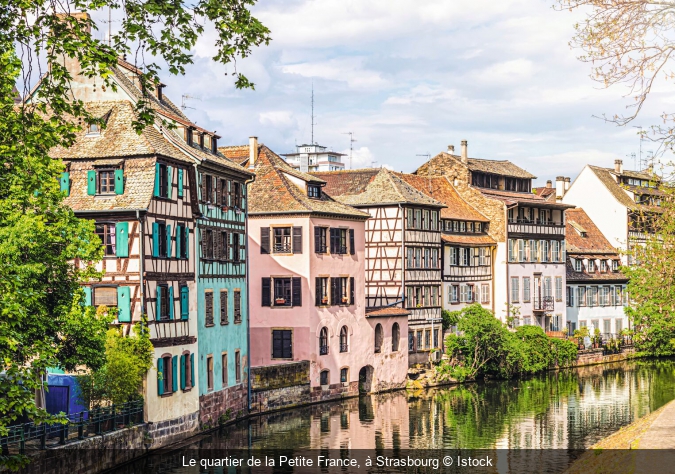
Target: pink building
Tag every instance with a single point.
(307, 284)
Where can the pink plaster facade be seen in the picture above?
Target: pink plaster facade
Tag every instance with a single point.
(389, 368)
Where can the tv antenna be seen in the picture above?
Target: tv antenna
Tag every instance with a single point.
(351, 146)
(373, 163)
(186, 97)
(109, 22)
(639, 127)
(313, 112)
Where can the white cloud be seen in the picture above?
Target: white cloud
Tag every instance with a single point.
(349, 70)
(278, 118)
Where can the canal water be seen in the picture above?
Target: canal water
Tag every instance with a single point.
(566, 410)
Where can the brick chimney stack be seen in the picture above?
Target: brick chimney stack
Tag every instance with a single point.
(465, 153)
(618, 166)
(549, 184)
(451, 149)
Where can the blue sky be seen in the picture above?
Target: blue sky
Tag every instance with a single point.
(410, 78)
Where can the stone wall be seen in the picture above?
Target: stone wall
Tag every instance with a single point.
(229, 404)
(334, 391)
(167, 432)
(595, 356)
(278, 386)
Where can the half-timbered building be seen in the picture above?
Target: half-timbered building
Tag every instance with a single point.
(403, 249)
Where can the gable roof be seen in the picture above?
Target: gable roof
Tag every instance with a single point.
(374, 188)
(499, 167)
(511, 198)
(440, 189)
(273, 191)
(607, 178)
(593, 242)
(545, 192)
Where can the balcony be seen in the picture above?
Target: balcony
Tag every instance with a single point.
(538, 227)
(282, 247)
(542, 303)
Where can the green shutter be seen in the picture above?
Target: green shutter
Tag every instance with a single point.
(184, 302)
(169, 184)
(158, 304)
(156, 179)
(182, 371)
(155, 239)
(122, 239)
(124, 304)
(91, 182)
(179, 230)
(65, 183)
(192, 370)
(119, 181)
(170, 312)
(187, 242)
(180, 182)
(160, 376)
(168, 241)
(174, 373)
(87, 295)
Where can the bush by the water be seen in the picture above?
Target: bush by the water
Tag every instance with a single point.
(485, 347)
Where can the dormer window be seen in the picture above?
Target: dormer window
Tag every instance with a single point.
(214, 145)
(188, 135)
(313, 191)
(93, 129)
(201, 140)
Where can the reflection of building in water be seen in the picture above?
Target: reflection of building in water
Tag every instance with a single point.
(536, 431)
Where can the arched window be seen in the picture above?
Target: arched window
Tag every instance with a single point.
(325, 377)
(395, 336)
(323, 341)
(343, 339)
(378, 338)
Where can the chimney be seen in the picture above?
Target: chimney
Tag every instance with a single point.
(80, 17)
(567, 184)
(451, 149)
(559, 187)
(160, 86)
(549, 184)
(618, 166)
(252, 152)
(465, 154)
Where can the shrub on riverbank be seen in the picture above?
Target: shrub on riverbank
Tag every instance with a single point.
(484, 347)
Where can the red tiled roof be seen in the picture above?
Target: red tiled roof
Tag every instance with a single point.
(468, 239)
(340, 183)
(511, 197)
(386, 312)
(498, 167)
(593, 241)
(545, 192)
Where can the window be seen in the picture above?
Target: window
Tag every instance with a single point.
(434, 220)
(454, 252)
(223, 363)
(419, 345)
(323, 341)
(209, 372)
(282, 345)
(167, 373)
(237, 306)
(208, 308)
(558, 288)
(379, 337)
(570, 296)
(313, 191)
(182, 233)
(485, 293)
(320, 245)
(344, 375)
(455, 226)
(106, 181)
(282, 240)
(545, 250)
(282, 292)
(478, 227)
(185, 372)
(105, 296)
(236, 190)
(453, 293)
(237, 366)
(555, 251)
(512, 256)
(592, 297)
(338, 241)
(163, 306)
(617, 326)
(577, 265)
(526, 289)
(615, 265)
(604, 296)
(515, 290)
(324, 377)
(321, 291)
(207, 244)
(106, 233)
(411, 342)
(93, 129)
(603, 266)
(616, 296)
(521, 250)
(427, 339)
(344, 335)
(581, 295)
(224, 319)
(162, 180)
(342, 293)
(236, 251)
(395, 337)
(160, 242)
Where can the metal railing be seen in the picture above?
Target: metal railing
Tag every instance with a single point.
(323, 350)
(343, 347)
(78, 426)
(544, 303)
(282, 248)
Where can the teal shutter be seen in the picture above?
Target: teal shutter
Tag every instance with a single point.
(87, 295)
(169, 184)
(156, 179)
(192, 370)
(187, 242)
(182, 371)
(174, 373)
(124, 304)
(170, 312)
(160, 376)
(180, 182)
(168, 241)
(65, 183)
(119, 181)
(122, 239)
(158, 304)
(91, 182)
(155, 239)
(184, 302)
(179, 231)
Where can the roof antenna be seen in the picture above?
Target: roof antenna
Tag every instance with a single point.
(351, 146)
(313, 112)
(186, 97)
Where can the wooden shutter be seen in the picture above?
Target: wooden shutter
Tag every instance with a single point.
(122, 239)
(264, 240)
(351, 290)
(333, 241)
(215, 237)
(224, 307)
(168, 241)
(219, 193)
(65, 183)
(266, 292)
(297, 239)
(157, 179)
(334, 291)
(87, 295)
(182, 371)
(237, 306)
(180, 182)
(187, 242)
(155, 239)
(204, 197)
(169, 182)
(317, 239)
(296, 291)
(158, 304)
(277, 345)
(170, 312)
(228, 237)
(184, 302)
(208, 308)
(352, 250)
(174, 373)
(179, 239)
(124, 304)
(119, 181)
(230, 201)
(192, 370)
(317, 291)
(160, 376)
(91, 182)
(287, 344)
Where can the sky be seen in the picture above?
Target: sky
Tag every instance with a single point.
(410, 78)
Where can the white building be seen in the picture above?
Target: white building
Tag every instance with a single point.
(313, 158)
(595, 287)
